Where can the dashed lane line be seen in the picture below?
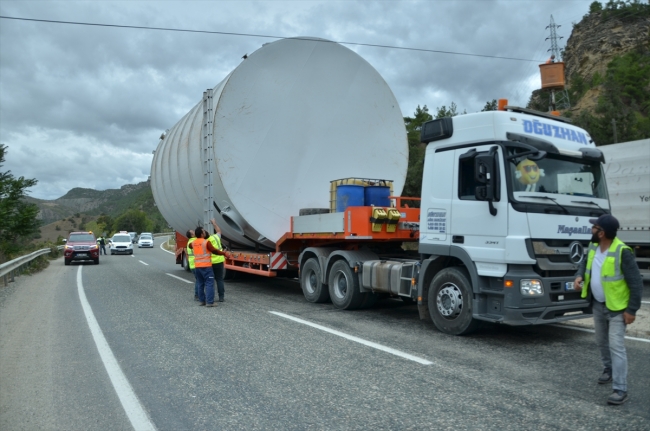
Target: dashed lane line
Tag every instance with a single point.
(179, 278)
(357, 339)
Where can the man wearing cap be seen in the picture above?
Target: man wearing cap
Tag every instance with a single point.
(610, 271)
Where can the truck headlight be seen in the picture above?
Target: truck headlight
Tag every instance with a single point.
(531, 287)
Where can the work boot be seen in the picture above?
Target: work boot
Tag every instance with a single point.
(201, 303)
(606, 377)
(617, 397)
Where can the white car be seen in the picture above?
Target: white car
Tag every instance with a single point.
(121, 244)
(145, 241)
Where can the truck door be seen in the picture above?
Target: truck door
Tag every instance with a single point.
(475, 227)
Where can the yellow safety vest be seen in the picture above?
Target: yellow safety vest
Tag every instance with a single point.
(201, 253)
(617, 292)
(190, 253)
(216, 243)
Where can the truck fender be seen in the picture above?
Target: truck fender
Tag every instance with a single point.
(353, 257)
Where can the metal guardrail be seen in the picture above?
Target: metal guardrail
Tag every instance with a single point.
(9, 269)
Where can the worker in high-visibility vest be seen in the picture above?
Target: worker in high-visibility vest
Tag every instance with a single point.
(610, 273)
(218, 265)
(190, 260)
(203, 251)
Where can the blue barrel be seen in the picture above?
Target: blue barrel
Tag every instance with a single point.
(377, 196)
(348, 196)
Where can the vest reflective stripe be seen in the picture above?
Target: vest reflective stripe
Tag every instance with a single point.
(216, 243)
(617, 293)
(201, 254)
(190, 252)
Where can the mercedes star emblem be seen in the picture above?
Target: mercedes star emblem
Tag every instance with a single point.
(576, 252)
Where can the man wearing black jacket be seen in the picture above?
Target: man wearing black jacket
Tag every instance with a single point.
(611, 272)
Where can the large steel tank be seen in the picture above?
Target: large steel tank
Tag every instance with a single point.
(293, 116)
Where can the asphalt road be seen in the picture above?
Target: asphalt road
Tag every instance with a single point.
(249, 364)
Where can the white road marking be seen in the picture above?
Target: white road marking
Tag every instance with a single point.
(181, 279)
(645, 302)
(130, 403)
(143, 263)
(357, 340)
(163, 249)
(578, 328)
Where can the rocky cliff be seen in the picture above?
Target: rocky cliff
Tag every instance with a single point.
(594, 42)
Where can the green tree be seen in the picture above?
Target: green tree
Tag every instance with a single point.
(490, 105)
(451, 112)
(17, 217)
(413, 184)
(133, 221)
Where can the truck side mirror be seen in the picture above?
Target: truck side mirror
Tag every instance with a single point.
(485, 169)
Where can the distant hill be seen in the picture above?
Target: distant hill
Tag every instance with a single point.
(90, 202)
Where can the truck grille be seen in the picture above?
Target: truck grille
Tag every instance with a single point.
(554, 257)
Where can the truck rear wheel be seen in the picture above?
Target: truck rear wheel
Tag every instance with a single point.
(185, 264)
(344, 286)
(311, 284)
(450, 302)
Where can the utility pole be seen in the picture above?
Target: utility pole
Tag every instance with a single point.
(561, 99)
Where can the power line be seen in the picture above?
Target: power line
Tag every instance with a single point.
(224, 33)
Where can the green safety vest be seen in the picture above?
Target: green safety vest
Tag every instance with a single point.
(190, 252)
(617, 292)
(216, 243)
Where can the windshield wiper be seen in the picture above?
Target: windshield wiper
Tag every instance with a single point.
(549, 199)
(591, 203)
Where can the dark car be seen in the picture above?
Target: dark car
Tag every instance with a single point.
(81, 246)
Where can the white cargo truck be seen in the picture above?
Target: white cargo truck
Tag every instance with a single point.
(500, 228)
(628, 181)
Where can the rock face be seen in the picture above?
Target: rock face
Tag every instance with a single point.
(594, 42)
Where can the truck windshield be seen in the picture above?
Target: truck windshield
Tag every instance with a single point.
(556, 175)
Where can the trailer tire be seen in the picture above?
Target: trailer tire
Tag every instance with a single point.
(229, 274)
(185, 263)
(311, 211)
(344, 286)
(311, 284)
(450, 302)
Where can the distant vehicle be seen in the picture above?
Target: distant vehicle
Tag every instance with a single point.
(121, 243)
(81, 246)
(133, 235)
(145, 240)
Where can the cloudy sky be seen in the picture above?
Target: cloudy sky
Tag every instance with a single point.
(84, 106)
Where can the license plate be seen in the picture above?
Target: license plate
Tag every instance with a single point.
(568, 286)
(82, 255)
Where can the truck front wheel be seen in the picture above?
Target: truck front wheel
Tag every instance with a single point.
(311, 284)
(450, 302)
(344, 286)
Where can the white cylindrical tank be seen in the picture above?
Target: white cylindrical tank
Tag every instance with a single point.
(293, 116)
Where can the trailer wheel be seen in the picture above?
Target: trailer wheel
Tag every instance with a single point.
(185, 263)
(344, 286)
(450, 302)
(229, 274)
(310, 282)
(310, 211)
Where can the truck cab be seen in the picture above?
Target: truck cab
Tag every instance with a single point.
(506, 202)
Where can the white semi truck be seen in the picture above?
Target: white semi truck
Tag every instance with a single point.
(501, 225)
(628, 182)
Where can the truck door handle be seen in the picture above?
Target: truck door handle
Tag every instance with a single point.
(458, 239)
